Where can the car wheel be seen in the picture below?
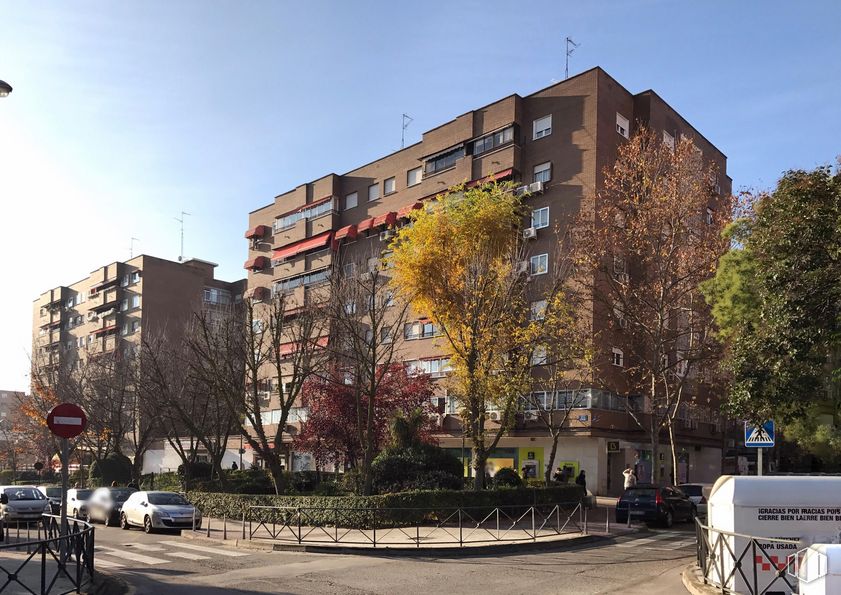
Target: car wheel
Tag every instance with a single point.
(106, 519)
(124, 522)
(147, 525)
(693, 512)
(668, 519)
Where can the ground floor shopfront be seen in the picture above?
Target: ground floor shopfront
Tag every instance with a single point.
(602, 459)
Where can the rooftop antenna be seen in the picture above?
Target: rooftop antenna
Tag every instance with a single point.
(181, 221)
(407, 119)
(571, 45)
(131, 248)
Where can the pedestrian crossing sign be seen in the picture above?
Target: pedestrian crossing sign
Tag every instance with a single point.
(759, 435)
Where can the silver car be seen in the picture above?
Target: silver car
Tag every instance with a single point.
(22, 503)
(698, 493)
(158, 510)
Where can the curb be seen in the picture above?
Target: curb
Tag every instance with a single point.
(483, 550)
(693, 582)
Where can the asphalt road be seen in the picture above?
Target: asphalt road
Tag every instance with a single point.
(647, 563)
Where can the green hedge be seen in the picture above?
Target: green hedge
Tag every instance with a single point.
(405, 508)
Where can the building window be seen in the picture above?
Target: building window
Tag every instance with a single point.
(540, 218)
(123, 305)
(538, 356)
(543, 172)
(351, 200)
(539, 265)
(135, 325)
(125, 330)
(492, 141)
(350, 308)
(373, 192)
(413, 176)
(70, 302)
(81, 297)
(124, 280)
(538, 310)
(710, 216)
(347, 270)
(385, 334)
(542, 127)
(622, 125)
(373, 264)
(135, 301)
(312, 212)
(443, 161)
(617, 358)
(669, 140)
(306, 279)
(135, 277)
(257, 326)
(389, 187)
(213, 296)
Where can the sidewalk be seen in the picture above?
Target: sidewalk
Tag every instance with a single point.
(21, 573)
(489, 534)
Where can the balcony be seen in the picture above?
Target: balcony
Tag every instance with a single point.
(291, 267)
(257, 264)
(96, 289)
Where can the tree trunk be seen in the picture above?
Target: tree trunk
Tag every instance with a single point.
(655, 452)
(480, 457)
(553, 452)
(276, 473)
(674, 450)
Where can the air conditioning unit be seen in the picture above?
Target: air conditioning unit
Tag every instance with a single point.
(521, 190)
(535, 187)
(529, 233)
(493, 415)
(530, 415)
(622, 278)
(523, 266)
(92, 315)
(386, 235)
(264, 395)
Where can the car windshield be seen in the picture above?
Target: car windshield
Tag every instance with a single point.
(83, 494)
(643, 495)
(54, 492)
(167, 499)
(691, 490)
(121, 495)
(24, 494)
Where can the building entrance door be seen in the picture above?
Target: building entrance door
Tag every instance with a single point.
(615, 479)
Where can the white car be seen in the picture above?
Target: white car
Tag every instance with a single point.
(158, 510)
(698, 493)
(77, 500)
(22, 503)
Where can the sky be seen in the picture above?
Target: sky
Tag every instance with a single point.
(124, 114)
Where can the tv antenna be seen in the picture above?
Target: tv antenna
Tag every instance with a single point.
(407, 119)
(571, 45)
(181, 221)
(131, 247)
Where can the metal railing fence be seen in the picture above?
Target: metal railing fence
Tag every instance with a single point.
(65, 562)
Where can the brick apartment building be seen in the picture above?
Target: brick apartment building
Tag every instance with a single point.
(560, 140)
(117, 305)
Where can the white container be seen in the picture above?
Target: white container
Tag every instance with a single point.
(803, 509)
(820, 570)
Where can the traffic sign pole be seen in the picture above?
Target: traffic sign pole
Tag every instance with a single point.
(759, 461)
(65, 465)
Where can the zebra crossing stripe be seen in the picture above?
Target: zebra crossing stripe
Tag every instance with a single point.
(99, 562)
(133, 557)
(144, 547)
(645, 540)
(208, 550)
(187, 556)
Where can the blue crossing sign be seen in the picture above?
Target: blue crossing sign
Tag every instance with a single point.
(760, 435)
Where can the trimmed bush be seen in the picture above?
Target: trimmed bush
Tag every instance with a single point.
(114, 467)
(399, 509)
(507, 478)
(198, 470)
(418, 467)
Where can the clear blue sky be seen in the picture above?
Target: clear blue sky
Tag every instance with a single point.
(125, 113)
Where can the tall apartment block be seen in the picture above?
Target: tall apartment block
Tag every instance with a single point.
(559, 141)
(117, 305)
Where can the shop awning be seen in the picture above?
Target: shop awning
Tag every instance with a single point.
(257, 232)
(319, 241)
(287, 349)
(348, 231)
(404, 212)
(257, 263)
(387, 219)
(500, 175)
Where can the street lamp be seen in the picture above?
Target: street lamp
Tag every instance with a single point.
(5, 88)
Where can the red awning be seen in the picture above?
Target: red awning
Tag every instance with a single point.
(257, 232)
(365, 225)
(105, 329)
(257, 263)
(104, 284)
(258, 294)
(287, 349)
(404, 212)
(387, 219)
(306, 206)
(500, 175)
(348, 231)
(306, 245)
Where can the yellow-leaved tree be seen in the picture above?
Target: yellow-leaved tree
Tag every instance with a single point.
(462, 262)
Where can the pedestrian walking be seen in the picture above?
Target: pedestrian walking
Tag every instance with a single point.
(630, 477)
(582, 480)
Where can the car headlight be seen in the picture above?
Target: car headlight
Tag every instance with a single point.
(162, 514)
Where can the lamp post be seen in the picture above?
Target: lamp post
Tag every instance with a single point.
(5, 88)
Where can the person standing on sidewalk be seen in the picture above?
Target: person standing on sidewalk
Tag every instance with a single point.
(630, 477)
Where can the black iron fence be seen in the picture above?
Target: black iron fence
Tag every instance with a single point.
(396, 527)
(737, 563)
(36, 558)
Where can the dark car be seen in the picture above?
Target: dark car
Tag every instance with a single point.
(53, 494)
(105, 504)
(653, 504)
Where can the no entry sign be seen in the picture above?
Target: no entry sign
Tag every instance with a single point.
(67, 420)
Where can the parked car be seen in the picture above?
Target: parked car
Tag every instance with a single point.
(653, 504)
(22, 503)
(77, 500)
(105, 504)
(158, 510)
(53, 494)
(698, 493)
